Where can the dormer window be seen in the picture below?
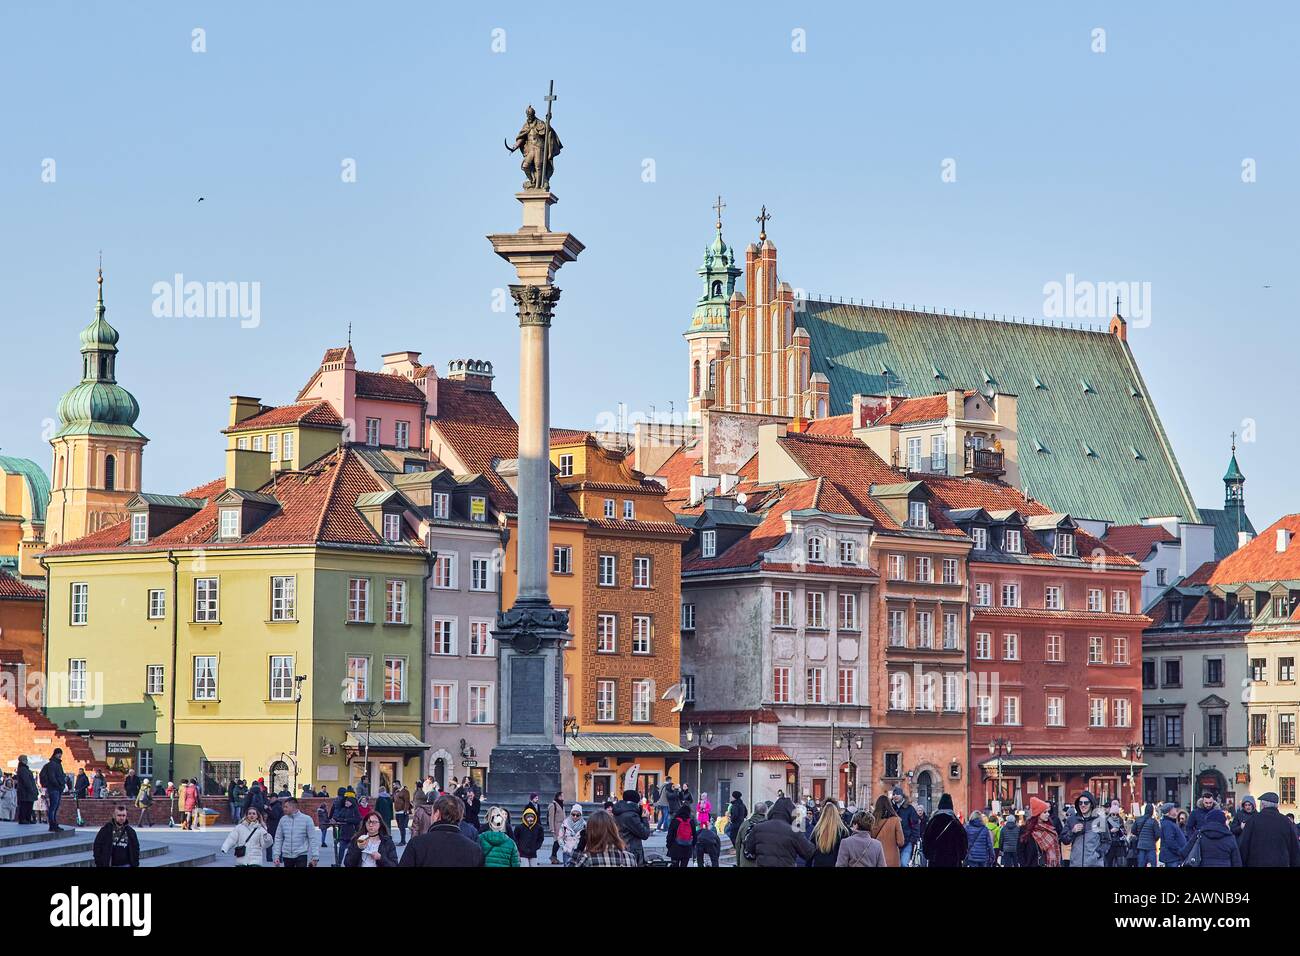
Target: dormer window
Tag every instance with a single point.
(1175, 611)
(816, 549)
(979, 538)
(477, 508)
(566, 466)
(918, 514)
(139, 528)
(1065, 544)
(393, 528)
(441, 504)
(229, 524)
(708, 544)
(1011, 542)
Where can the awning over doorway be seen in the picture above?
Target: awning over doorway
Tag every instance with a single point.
(1021, 763)
(610, 744)
(385, 742)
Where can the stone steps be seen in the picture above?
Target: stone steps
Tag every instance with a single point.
(23, 846)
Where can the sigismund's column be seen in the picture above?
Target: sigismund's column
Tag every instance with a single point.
(531, 755)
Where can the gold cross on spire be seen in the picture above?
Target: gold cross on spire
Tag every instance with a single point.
(762, 219)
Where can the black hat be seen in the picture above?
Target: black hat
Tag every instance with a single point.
(1269, 797)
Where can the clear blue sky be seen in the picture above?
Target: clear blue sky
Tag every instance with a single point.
(1122, 166)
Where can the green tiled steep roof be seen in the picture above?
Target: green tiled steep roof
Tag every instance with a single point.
(1225, 525)
(1095, 451)
(38, 485)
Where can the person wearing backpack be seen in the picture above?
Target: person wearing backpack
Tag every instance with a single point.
(757, 816)
(682, 834)
(775, 842)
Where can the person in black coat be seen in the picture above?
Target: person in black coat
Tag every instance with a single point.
(384, 853)
(1270, 838)
(774, 842)
(529, 836)
(116, 845)
(633, 827)
(82, 785)
(131, 785)
(346, 818)
(678, 851)
(1244, 814)
(736, 814)
(708, 846)
(944, 842)
(26, 785)
(444, 845)
(1214, 845)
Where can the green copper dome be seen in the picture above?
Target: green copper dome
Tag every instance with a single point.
(719, 273)
(98, 406)
(1234, 472)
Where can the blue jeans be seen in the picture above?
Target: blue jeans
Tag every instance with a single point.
(905, 855)
(1146, 858)
(54, 797)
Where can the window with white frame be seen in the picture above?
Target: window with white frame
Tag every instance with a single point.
(688, 617)
(1096, 650)
(708, 544)
(1119, 602)
(815, 686)
(372, 432)
(951, 692)
(358, 600)
(281, 685)
(897, 628)
(949, 570)
(979, 539)
(848, 611)
(358, 678)
(815, 608)
(392, 528)
(286, 442)
(939, 453)
(607, 570)
(848, 551)
(1011, 709)
(605, 700)
(273, 447)
(284, 600)
(566, 466)
(139, 527)
(914, 454)
(629, 509)
(1055, 711)
(480, 703)
(395, 601)
(480, 638)
(898, 691)
(207, 597)
(848, 686)
(205, 678)
(395, 680)
(641, 701)
(641, 633)
(562, 559)
(1121, 713)
(983, 709)
(144, 762)
(157, 603)
(983, 646)
(1055, 647)
(402, 434)
(1011, 541)
(641, 568)
(925, 629)
(442, 702)
(984, 595)
(924, 569)
(951, 631)
(229, 524)
(918, 514)
(154, 678)
(441, 504)
(781, 685)
(1065, 545)
(816, 548)
(1096, 711)
(444, 572)
(480, 573)
(782, 612)
(610, 505)
(1011, 595)
(444, 636)
(1119, 650)
(1052, 597)
(1011, 647)
(77, 681)
(688, 681)
(606, 633)
(1096, 599)
(241, 444)
(925, 692)
(258, 443)
(895, 567)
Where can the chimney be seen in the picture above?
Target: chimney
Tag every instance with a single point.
(1244, 538)
(401, 363)
(1283, 540)
(475, 373)
(246, 469)
(243, 407)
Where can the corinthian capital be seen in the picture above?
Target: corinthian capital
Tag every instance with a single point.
(535, 303)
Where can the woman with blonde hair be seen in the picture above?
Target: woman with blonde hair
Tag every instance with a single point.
(827, 834)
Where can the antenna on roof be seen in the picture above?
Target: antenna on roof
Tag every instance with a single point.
(349, 335)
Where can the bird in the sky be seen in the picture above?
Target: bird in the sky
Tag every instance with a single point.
(200, 199)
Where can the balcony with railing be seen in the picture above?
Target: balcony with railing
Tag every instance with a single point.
(984, 462)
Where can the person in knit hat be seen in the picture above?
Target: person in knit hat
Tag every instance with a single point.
(1040, 844)
(571, 832)
(1244, 814)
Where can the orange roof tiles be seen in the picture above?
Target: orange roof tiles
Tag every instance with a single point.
(1136, 540)
(388, 386)
(1259, 560)
(912, 410)
(319, 413)
(12, 589)
(837, 426)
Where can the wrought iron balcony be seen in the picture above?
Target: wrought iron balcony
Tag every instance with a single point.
(984, 462)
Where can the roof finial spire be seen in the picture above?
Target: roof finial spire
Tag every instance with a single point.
(762, 219)
(349, 335)
(1117, 303)
(718, 207)
(1234, 443)
(99, 280)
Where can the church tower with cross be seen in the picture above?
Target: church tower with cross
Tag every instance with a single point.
(706, 338)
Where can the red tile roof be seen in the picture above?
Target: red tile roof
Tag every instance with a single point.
(1136, 540)
(12, 589)
(1259, 560)
(768, 753)
(930, 408)
(837, 426)
(388, 386)
(670, 528)
(768, 534)
(317, 506)
(320, 413)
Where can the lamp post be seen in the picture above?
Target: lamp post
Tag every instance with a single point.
(999, 747)
(1132, 753)
(368, 713)
(297, 708)
(848, 741)
(706, 737)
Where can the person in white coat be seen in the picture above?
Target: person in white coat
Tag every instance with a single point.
(249, 840)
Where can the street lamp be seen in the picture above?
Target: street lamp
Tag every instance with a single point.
(368, 713)
(297, 708)
(1000, 747)
(706, 738)
(1132, 753)
(848, 741)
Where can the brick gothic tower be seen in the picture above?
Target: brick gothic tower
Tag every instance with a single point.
(706, 339)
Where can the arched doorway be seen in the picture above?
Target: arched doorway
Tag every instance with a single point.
(279, 774)
(925, 791)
